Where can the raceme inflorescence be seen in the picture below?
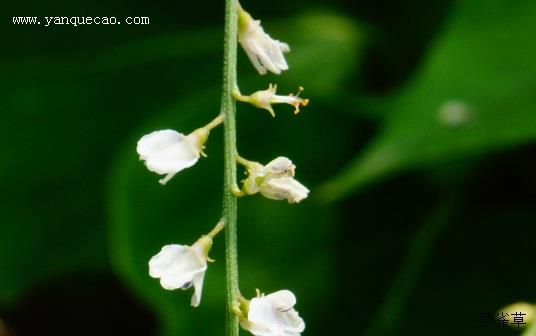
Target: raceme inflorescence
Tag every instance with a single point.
(167, 152)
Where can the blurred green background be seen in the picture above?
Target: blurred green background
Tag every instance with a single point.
(418, 146)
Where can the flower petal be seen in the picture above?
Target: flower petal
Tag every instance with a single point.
(282, 300)
(198, 288)
(262, 315)
(175, 280)
(167, 152)
(284, 187)
(273, 315)
(176, 266)
(165, 259)
(280, 166)
(263, 51)
(154, 141)
(250, 52)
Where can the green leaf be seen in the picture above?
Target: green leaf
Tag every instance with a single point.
(61, 121)
(484, 59)
(326, 50)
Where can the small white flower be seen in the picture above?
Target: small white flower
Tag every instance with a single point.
(167, 152)
(275, 180)
(273, 315)
(181, 266)
(264, 52)
(265, 98)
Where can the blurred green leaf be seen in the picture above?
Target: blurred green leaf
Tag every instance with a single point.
(326, 50)
(61, 121)
(184, 46)
(279, 245)
(483, 62)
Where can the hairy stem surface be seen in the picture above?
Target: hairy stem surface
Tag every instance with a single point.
(228, 109)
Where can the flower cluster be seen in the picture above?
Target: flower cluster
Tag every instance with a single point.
(167, 152)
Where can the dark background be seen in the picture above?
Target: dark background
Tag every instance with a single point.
(413, 226)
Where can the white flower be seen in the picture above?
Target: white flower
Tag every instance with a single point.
(167, 152)
(273, 315)
(275, 180)
(264, 52)
(181, 266)
(265, 98)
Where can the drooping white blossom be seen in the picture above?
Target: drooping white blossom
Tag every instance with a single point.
(265, 53)
(181, 266)
(275, 180)
(273, 315)
(265, 98)
(167, 152)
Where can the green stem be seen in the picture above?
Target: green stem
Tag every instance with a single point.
(228, 109)
(220, 226)
(242, 161)
(215, 123)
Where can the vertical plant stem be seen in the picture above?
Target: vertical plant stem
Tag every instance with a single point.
(228, 109)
